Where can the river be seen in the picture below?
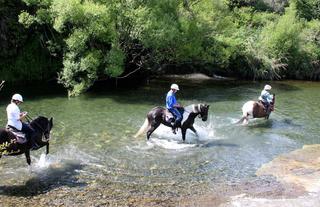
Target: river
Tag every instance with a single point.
(95, 160)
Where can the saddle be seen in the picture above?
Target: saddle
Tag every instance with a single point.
(267, 108)
(20, 137)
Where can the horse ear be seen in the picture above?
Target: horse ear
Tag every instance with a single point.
(51, 121)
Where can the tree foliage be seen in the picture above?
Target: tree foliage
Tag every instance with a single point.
(100, 39)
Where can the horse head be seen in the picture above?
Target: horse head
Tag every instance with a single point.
(273, 102)
(43, 126)
(202, 110)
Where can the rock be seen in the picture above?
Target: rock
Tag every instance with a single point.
(300, 167)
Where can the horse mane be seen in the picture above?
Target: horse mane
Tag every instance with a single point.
(195, 108)
(38, 119)
(38, 122)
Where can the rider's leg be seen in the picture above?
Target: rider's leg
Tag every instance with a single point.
(29, 134)
(268, 108)
(178, 118)
(265, 105)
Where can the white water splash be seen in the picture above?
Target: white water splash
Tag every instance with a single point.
(204, 133)
(164, 138)
(170, 144)
(42, 162)
(45, 162)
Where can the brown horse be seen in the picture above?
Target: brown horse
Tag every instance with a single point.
(256, 109)
(9, 144)
(158, 115)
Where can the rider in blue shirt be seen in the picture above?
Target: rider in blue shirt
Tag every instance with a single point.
(173, 106)
(266, 97)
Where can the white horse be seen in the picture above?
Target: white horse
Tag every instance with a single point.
(255, 109)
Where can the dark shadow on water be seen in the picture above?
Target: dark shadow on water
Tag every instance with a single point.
(46, 180)
(154, 91)
(207, 91)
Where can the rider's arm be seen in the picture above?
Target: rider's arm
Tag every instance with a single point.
(269, 97)
(22, 115)
(170, 101)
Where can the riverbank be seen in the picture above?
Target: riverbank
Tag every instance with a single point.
(298, 171)
(290, 180)
(197, 77)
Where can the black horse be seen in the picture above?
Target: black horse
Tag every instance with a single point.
(158, 115)
(9, 144)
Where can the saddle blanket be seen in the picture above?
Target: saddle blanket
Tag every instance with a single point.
(20, 136)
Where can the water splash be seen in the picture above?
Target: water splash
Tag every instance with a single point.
(42, 162)
(171, 144)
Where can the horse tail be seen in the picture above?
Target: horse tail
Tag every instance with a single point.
(241, 120)
(143, 128)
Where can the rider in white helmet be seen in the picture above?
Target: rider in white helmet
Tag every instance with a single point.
(15, 118)
(266, 97)
(174, 107)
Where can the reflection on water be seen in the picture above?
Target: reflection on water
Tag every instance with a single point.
(93, 152)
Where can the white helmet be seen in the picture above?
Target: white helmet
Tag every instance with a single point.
(17, 97)
(174, 86)
(267, 87)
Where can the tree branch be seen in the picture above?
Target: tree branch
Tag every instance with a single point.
(1, 84)
(129, 73)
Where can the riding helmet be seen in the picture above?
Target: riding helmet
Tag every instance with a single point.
(17, 97)
(267, 87)
(175, 86)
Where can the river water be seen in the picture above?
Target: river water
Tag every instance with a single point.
(95, 160)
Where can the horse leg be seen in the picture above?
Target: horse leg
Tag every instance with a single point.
(183, 132)
(153, 127)
(241, 120)
(245, 120)
(27, 153)
(194, 130)
(47, 148)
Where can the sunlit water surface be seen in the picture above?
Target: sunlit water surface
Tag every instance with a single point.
(93, 144)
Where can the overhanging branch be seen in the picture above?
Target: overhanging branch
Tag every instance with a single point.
(1, 84)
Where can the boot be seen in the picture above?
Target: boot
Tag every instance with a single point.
(177, 124)
(268, 109)
(173, 127)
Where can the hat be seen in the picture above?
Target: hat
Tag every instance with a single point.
(267, 87)
(17, 97)
(174, 86)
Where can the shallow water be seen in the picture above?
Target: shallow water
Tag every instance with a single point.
(93, 152)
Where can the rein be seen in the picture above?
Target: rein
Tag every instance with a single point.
(38, 125)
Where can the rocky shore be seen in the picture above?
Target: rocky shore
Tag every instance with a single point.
(298, 171)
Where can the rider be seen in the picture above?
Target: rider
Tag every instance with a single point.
(15, 118)
(266, 97)
(174, 107)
